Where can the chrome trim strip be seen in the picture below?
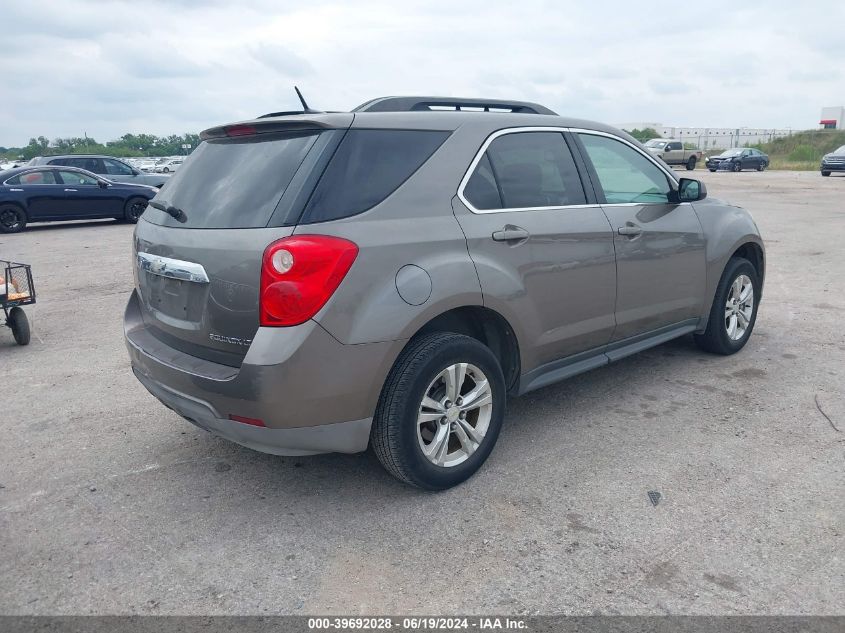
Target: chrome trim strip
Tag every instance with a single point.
(515, 130)
(172, 268)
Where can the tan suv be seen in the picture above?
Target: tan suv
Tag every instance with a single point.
(386, 277)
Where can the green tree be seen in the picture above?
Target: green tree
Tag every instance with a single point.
(645, 134)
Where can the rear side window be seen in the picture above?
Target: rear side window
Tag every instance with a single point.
(367, 167)
(34, 178)
(532, 169)
(233, 183)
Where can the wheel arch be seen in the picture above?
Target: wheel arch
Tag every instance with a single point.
(753, 252)
(486, 326)
(16, 203)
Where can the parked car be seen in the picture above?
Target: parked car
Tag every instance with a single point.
(148, 165)
(108, 167)
(672, 152)
(168, 166)
(835, 161)
(737, 159)
(387, 277)
(49, 194)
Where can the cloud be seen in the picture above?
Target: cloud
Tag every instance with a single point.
(280, 59)
(166, 66)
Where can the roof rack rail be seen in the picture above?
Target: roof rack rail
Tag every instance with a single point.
(429, 104)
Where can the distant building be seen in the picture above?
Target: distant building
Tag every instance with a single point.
(833, 118)
(711, 137)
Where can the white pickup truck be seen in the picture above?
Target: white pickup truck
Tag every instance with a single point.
(672, 152)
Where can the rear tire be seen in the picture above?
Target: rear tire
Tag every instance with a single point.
(12, 218)
(415, 413)
(718, 338)
(19, 325)
(691, 163)
(133, 209)
(712, 170)
(824, 173)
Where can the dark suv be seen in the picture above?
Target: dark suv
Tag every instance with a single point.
(388, 276)
(106, 166)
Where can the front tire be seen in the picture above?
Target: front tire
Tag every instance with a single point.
(440, 411)
(12, 219)
(824, 173)
(737, 167)
(133, 209)
(691, 163)
(19, 325)
(734, 309)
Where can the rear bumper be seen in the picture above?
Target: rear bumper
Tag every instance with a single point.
(341, 437)
(313, 393)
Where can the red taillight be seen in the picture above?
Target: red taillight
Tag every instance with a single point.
(299, 274)
(240, 130)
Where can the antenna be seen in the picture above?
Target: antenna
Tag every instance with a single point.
(305, 108)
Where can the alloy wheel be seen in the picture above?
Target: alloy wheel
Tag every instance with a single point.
(9, 219)
(454, 415)
(739, 307)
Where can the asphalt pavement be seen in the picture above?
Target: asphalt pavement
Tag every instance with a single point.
(111, 504)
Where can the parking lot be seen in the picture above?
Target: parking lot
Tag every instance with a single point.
(110, 503)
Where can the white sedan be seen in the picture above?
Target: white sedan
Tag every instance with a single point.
(168, 166)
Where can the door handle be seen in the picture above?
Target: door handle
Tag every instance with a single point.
(71, 190)
(511, 233)
(630, 230)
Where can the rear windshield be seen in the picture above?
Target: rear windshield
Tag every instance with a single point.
(233, 182)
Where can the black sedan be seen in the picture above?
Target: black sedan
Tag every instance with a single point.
(835, 161)
(49, 194)
(737, 159)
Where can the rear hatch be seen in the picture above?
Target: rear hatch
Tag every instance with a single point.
(198, 264)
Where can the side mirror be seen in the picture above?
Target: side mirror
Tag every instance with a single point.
(103, 184)
(135, 172)
(690, 190)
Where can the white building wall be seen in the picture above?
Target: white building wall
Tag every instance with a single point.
(706, 138)
(834, 113)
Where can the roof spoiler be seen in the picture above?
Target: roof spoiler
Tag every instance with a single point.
(270, 125)
(416, 104)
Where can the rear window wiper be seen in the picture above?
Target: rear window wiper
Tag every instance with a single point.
(174, 212)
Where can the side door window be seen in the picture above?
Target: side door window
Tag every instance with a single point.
(625, 175)
(525, 170)
(90, 164)
(75, 178)
(116, 168)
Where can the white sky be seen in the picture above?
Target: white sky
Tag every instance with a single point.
(164, 67)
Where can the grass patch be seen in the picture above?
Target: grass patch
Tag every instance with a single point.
(793, 165)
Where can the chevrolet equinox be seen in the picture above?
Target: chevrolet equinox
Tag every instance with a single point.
(322, 282)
